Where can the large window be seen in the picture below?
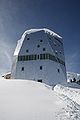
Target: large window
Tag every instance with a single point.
(56, 38)
(27, 50)
(45, 56)
(38, 56)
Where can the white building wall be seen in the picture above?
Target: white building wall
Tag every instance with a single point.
(49, 73)
(34, 40)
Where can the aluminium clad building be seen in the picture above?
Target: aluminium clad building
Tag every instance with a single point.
(39, 56)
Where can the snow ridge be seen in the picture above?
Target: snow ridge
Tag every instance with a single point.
(43, 29)
(71, 93)
(72, 102)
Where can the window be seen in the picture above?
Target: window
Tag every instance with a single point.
(40, 80)
(34, 57)
(22, 69)
(42, 56)
(58, 70)
(44, 49)
(56, 52)
(31, 57)
(22, 58)
(26, 58)
(46, 56)
(60, 52)
(27, 50)
(58, 40)
(38, 46)
(41, 40)
(38, 57)
(49, 38)
(40, 67)
(28, 38)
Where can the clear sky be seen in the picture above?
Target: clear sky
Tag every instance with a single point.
(61, 16)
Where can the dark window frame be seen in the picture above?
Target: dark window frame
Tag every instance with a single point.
(41, 68)
(28, 38)
(41, 40)
(44, 49)
(58, 70)
(22, 69)
(40, 80)
(38, 46)
(27, 50)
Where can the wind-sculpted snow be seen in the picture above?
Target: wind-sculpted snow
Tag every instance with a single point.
(30, 100)
(71, 95)
(71, 111)
(71, 90)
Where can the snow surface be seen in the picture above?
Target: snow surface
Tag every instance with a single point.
(30, 100)
(71, 90)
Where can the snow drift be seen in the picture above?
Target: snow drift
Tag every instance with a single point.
(30, 100)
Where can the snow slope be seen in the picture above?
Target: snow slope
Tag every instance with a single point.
(30, 100)
(71, 90)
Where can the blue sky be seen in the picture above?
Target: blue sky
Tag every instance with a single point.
(61, 16)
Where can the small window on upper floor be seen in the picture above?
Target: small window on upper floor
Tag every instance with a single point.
(38, 46)
(27, 50)
(44, 49)
(38, 57)
(22, 69)
(28, 38)
(41, 40)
